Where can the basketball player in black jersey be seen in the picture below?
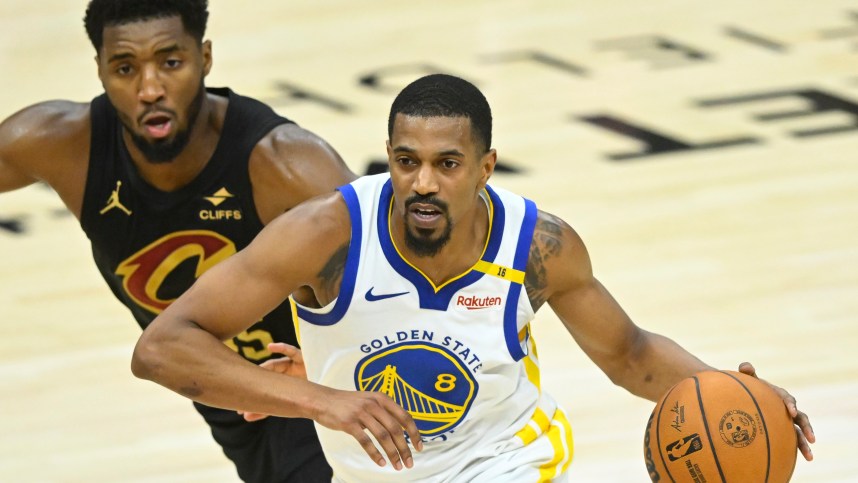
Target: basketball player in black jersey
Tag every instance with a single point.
(169, 178)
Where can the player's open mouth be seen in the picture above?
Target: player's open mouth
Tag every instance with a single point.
(158, 126)
(424, 215)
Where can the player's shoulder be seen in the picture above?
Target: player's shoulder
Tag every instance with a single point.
(552, 226)
(556, 244)
(45, 139)
(48, 124)
(292, 143)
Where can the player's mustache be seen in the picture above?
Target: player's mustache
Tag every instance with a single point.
(426, 200)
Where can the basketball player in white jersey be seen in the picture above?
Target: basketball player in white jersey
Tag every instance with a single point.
(427, 280)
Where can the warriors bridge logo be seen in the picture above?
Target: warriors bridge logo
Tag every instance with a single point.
(428, 381)
(144, 274)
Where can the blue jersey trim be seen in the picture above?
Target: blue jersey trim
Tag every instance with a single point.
(429, 298)
(522, 251)
(347, 286)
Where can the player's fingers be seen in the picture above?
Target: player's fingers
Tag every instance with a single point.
(803, 423)
(395, 419)
(367, 444)
(272, 364)
(748, 368)
(406, 422)
(385, 430)
(803, 445)
(292, 352)
(252, 417)
(281, 365)
(789, 401)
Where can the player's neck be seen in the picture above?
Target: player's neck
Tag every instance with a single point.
(467, 241)
(204, 137)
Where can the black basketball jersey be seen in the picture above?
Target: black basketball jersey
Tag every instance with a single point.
(149, 245)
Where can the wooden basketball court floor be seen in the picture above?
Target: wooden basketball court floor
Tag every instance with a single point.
(705, 151)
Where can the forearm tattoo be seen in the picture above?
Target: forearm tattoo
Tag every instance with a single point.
(331, 274)
(547, 243)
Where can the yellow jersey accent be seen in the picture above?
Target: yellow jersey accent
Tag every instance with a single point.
(499, 271)
(538, 424)
(532, 369)
(559, 433)
(295, 320)
(113, 202)
(219, 197)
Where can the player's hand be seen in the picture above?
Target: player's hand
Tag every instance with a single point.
(362, 414)
(291, 364)
(803, 429)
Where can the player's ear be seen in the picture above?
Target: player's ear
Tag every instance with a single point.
(487, 165)
(98, 68)
(207, 57)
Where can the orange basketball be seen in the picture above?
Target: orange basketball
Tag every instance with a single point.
(720, 426)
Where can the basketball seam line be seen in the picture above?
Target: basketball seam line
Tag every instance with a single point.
(658, 435)
(762, 420)
(706, 426)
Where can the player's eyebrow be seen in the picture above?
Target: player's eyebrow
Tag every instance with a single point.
(122, 56)
(451, 152)
(129, 55)
(447, 152)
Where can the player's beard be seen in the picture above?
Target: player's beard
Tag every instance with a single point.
(421, 242)
(164, 151)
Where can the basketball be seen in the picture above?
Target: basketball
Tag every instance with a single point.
(720, 426)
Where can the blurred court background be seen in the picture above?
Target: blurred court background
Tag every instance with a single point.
(705, 151)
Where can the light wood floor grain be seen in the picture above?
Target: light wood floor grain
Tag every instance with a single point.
(747, 252)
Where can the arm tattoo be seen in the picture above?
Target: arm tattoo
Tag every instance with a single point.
(547, 242)
(331, 274)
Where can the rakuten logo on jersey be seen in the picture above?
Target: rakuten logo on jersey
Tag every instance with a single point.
(475, 303)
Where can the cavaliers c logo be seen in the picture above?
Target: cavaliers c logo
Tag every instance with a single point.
(426, 380)
(144, 272)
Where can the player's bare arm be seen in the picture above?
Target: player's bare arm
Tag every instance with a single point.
(291, 252)
(644, 363)
(47, 142)
(290, 165)
(560, 273)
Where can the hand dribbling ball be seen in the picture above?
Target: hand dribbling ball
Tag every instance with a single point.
(720, 426)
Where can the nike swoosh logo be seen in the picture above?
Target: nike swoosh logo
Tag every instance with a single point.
(371, 297)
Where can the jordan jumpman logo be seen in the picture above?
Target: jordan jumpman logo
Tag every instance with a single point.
(113, 201)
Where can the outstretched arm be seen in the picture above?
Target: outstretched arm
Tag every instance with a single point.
(644, 363)
(182, 348)
(559, 272)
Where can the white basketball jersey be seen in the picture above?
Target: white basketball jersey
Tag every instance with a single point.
(458, 357)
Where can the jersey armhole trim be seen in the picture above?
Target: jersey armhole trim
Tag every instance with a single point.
(347, 285)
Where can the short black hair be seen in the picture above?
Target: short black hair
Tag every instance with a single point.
(443, 95)
(107, 13)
